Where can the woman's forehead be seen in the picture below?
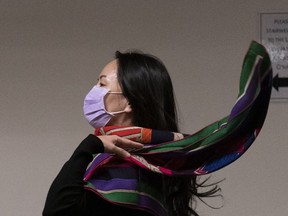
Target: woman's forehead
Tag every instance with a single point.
(109, 71)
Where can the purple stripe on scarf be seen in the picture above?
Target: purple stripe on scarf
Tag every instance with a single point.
(114, 184)
(98, 159)
(248, 96)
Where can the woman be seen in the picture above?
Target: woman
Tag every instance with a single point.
(137, 91)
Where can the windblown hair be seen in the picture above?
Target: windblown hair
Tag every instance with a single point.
(146, 84)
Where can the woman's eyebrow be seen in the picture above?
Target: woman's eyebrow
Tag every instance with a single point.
(102, 76)
(108, 77)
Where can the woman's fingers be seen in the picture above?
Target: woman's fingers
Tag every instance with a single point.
(126, 143)
(119, 145)
(121, 152)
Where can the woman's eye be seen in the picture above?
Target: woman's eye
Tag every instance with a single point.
(99, 83)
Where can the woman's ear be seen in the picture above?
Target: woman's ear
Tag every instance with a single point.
(128, 108)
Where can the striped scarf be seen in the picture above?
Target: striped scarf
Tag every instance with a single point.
(134, 181)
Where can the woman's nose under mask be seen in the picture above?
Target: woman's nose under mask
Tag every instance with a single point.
(94, 107)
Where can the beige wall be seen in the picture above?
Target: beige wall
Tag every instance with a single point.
(52, 51)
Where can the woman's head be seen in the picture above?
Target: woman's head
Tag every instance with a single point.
(117, 108)
(139, 92)
(146, 84)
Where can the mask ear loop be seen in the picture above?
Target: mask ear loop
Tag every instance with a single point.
(114, 92)
(116, 112)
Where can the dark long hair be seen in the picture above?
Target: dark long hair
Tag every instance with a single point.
(146, 84)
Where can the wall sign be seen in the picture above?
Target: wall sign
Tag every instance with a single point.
(274, 36)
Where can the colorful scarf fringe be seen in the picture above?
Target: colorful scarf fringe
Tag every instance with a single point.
(133, 182)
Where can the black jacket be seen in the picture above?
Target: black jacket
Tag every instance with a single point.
(67, 196)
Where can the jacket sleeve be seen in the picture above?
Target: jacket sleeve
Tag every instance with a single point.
(67, 195)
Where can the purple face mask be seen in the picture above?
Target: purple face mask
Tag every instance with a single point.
(94, 108)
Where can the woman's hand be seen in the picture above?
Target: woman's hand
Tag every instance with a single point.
(118, 145)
